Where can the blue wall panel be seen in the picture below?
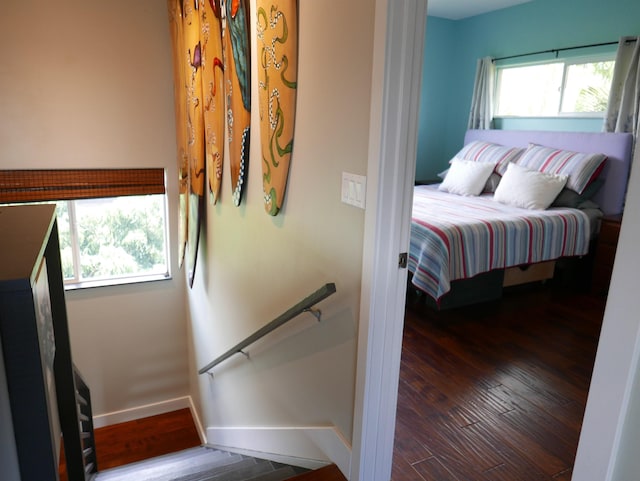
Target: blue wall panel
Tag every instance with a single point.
(452, 49)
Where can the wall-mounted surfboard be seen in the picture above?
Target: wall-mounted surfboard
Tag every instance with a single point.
(195, 128)
(277, 31)
(237, 82)
(180, 102)
(213, 93)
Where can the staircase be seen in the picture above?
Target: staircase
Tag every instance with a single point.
(203, 464)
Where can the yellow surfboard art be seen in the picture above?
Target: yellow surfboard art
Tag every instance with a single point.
(277, 31)
(180, 102)
(192, 50)
(237, 81)
(213, 93)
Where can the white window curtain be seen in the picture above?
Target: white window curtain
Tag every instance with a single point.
(481, 114)
(624, 98)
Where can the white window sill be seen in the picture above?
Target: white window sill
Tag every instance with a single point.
(116, 281)
(590, 115)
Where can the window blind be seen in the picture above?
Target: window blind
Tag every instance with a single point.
(71, 184)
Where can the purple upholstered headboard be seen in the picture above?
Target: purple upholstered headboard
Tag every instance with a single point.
(616, 146)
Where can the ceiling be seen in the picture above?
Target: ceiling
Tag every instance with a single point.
(457, 9)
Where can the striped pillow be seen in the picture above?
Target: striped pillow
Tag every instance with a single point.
(580, 168)
(482, 151)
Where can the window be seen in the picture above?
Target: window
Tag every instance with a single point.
(578, 87)
(112, 239)
(108, 235)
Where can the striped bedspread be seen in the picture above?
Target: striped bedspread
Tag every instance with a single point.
(455, 237)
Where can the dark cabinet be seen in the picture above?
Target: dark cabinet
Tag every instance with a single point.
(606, 247)
(36, 361)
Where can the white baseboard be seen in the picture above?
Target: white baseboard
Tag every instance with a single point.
(308, 447)
(147, 410)
(196, 419)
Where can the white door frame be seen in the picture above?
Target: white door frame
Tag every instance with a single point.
(396, 81)
(395, 95)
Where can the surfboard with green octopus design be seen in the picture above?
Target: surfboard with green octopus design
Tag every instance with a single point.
(277, 33)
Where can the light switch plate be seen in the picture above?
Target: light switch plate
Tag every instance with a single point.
(354, 188)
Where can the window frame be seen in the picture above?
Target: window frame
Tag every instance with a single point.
(77, 282)
(566, 63)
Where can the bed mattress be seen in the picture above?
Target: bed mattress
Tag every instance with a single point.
(455, 237)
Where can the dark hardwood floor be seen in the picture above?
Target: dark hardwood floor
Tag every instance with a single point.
(125, 443)
(496, 391)
(132, 441)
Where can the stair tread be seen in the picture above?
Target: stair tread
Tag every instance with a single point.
(280, 474)
(168, 466)
(208, 464)
(249, 468)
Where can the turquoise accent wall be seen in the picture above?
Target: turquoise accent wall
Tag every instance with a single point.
(452, 49)
(434, 107)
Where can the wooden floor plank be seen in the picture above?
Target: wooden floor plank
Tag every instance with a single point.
(327, 473)
(145, 438)
(496, 391)
(431, 469)
(128, 442)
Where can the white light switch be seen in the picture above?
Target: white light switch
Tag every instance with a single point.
(354, 188)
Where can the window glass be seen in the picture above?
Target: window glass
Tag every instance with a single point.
(529, 91)
(579, 88)
(586, 87)
(120, 237)
(64, 234)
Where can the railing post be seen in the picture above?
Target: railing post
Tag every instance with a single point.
(64, 369)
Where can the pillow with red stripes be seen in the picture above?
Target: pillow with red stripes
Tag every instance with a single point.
(580, 168)
(482, 151)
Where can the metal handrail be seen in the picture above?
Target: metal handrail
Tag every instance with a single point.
(304, 305)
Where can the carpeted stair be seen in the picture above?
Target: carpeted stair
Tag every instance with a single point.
(201, 464)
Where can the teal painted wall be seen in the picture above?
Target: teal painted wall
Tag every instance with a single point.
(452, 49)
(434, 107)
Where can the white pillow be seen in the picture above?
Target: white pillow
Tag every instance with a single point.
(466, 177)
(490, 186)
(528, 189)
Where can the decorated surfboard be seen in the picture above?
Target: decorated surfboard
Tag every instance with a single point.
(179, 95)
(235, 28)
(192, 50)
(277, 31)
(213, 93)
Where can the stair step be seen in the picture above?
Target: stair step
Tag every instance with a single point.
(169, 466)
(248, 469)
(203, 470)
(279, 474)
(202, 464)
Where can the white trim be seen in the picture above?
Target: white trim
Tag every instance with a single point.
(611, 395)
(396, 83)
(145, 411)
(196, 419)
(308, 447)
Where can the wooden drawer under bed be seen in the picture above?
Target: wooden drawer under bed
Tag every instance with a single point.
(541, 271)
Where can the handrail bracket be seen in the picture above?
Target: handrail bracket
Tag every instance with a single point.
(317, 313)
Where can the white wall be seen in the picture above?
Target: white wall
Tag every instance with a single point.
(609, 437)
(253, 267)
(88, 85)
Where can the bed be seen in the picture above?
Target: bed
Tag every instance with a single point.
(467, 245)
